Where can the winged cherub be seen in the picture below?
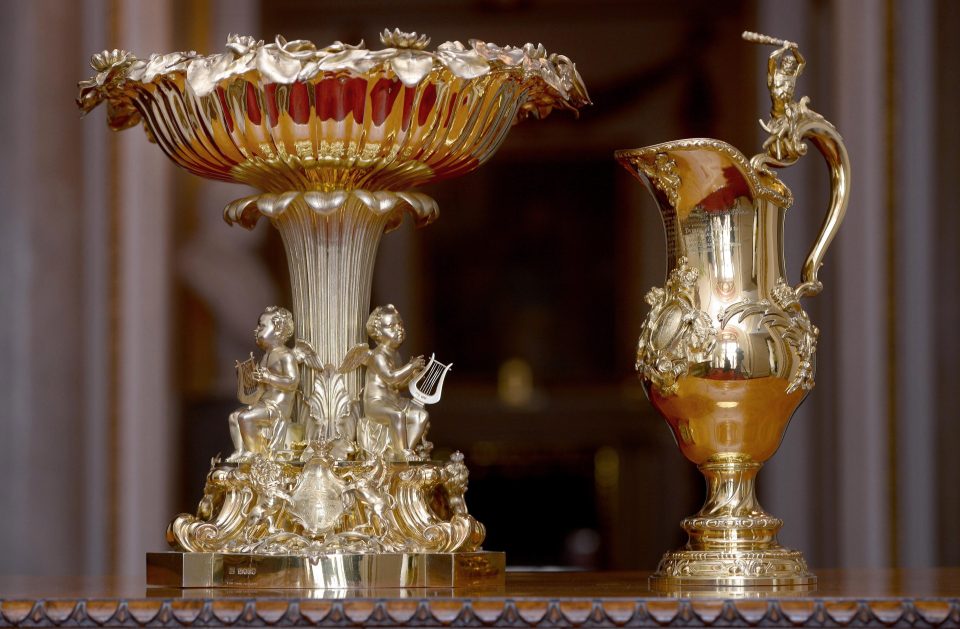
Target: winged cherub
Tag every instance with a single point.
(406, 421)
(268, 387)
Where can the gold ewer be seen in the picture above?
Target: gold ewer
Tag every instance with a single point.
(726, 352)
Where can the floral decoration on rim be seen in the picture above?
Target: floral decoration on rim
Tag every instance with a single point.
(556, 82)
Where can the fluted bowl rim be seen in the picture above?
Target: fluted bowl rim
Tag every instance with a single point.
(545, 81)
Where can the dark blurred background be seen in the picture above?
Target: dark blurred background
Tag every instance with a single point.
(126, 299)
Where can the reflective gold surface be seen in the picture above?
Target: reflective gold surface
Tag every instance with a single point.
(726, 353)
(331, 466)
(743, 416)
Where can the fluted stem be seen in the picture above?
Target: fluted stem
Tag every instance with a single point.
(331, 258)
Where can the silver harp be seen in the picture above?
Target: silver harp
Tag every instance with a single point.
(249, 389)
(426, 387)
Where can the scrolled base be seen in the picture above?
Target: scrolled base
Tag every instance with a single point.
(777, 567)
(260, 506)
(732, 542)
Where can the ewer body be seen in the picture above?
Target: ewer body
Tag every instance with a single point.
(726, 353)
(727, 327)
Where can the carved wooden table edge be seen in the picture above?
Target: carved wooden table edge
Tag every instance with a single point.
(890, 598)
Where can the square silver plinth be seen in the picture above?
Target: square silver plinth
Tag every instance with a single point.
(334, 571)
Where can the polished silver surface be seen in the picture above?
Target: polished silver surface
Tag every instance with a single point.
(332, 570)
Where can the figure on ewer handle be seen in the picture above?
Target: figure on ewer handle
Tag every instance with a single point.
(787, 115)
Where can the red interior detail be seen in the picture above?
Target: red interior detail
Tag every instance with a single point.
(327, 94)
(355, 95)
(299, 103)
(427, 102)
(338, 98)
(270, 98)
(253, 105)
(382, 97)
(407, 107)
(724, 198)
(226, 110)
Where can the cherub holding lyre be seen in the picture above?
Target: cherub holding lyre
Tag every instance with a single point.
(268, 387)
(405, 420)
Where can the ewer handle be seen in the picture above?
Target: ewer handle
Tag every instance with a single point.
(791, 123)
(828, 141)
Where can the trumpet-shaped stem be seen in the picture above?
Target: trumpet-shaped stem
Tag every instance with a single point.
(331, 257)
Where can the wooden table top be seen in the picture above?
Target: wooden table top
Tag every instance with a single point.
(844, 598)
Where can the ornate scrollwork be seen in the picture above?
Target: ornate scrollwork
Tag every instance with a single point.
(708, 564)
(414, 489)
(764, 187)
(733, 522)
(337, 490)
(675, 331)
(274, 507)
(787, 322)
(790, 120)
(665, 175)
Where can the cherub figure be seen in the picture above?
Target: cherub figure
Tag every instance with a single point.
(405, 420)
(269, 388)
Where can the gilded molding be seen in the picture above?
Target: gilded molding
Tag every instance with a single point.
(769, 187)
(787, 322)
(675, 331)
(248, 210)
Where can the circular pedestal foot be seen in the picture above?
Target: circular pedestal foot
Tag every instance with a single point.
(773, 568)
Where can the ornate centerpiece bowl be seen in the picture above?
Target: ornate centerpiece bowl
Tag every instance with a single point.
(335, 137)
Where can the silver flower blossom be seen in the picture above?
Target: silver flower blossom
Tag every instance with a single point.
(400, 39)
(242, 44)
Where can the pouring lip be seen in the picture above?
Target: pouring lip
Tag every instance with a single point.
(760, 187)
(625, 155)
